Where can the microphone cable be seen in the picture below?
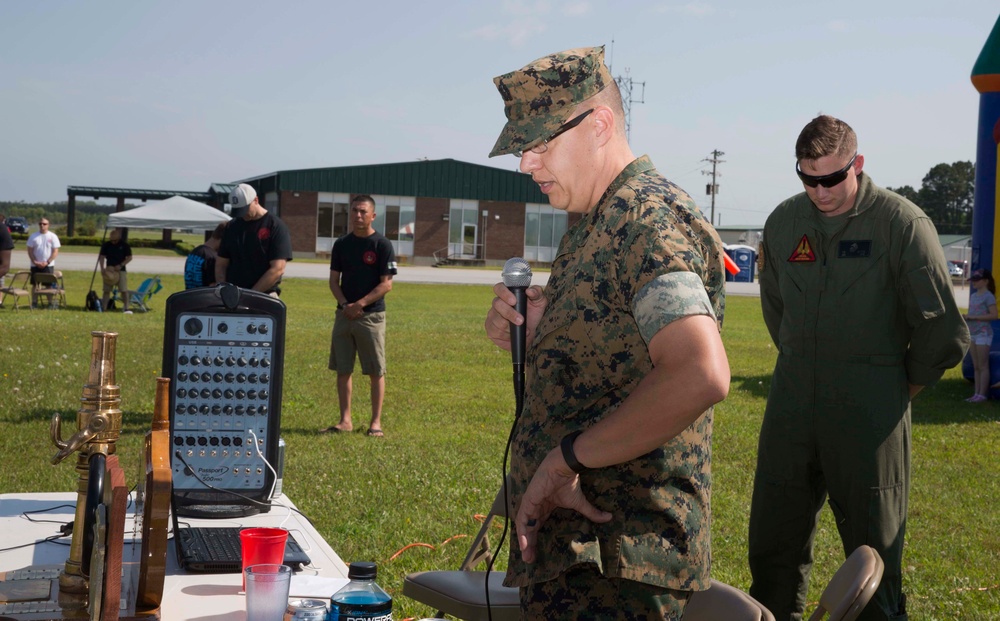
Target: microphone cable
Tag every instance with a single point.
(516, 273)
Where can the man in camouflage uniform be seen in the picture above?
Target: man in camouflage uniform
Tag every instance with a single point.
(610, 467)
(856, 295)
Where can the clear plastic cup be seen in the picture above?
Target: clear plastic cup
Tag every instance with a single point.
(267, 588)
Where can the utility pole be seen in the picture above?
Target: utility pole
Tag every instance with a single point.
(713, 188)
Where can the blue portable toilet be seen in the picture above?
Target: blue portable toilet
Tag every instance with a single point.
(745, 258)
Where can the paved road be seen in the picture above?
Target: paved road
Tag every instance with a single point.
(415, 274)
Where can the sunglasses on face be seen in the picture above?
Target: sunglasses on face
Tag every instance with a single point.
(543, 146)
(827, 181)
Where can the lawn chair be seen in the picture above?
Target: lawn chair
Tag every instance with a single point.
(461, 593)
(852, 587)
(49, 286)
(140, 297)
(18, 288)
(724, 602)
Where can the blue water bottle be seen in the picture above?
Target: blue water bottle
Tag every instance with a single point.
(361, 599)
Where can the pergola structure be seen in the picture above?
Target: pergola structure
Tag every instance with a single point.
(216, 196)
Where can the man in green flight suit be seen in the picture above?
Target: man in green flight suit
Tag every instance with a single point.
(610, 459)
(857, 297)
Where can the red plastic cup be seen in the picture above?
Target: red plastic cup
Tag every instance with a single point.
(259, 546)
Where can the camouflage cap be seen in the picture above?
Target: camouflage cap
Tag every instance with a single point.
(542, 95)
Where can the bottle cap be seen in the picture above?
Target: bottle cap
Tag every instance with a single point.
(362, 570)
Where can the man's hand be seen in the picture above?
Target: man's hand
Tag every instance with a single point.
(353, 311)
(502, 313)
(554, 485)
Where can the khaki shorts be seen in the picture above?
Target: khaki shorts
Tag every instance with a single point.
(363, 337)
(122, 284)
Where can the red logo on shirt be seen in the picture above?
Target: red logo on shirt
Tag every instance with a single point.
(264, 234)
(803, 252)
(369, 257)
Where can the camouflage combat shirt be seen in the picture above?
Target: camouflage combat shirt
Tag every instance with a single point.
(642, 258)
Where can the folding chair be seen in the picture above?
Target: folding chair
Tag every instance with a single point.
(723, 602)
(852, 587)
(49, 286)
(139, 298)
(461, 593)
(19, 287)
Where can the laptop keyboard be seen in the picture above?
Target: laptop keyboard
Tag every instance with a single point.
(218, 550)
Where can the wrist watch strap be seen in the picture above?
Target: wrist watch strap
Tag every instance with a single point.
(569, 455)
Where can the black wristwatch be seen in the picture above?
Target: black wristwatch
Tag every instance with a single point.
(569, 455)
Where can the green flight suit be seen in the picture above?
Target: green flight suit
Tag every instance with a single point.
(859, 306)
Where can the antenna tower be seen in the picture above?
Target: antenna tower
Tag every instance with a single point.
(626, 86)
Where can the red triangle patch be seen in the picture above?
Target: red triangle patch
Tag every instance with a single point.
(803, 252)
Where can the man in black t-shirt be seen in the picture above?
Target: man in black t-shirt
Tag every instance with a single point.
(115, 255)
(255, 247)
(361, 269)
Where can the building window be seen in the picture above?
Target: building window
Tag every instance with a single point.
(544, 226)
(331, 219)
(395, 217)
(463, 229)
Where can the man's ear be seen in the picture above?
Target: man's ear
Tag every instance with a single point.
(604, 124)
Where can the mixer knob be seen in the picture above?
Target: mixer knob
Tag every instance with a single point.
(193, 326)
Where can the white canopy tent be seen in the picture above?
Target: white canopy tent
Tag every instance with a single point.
(175, 212)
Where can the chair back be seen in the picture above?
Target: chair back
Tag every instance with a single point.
(19, 282)
(852, 587)
(462, 593)
(722, 601)
(47, 281)
(479, 550)
(18, 286)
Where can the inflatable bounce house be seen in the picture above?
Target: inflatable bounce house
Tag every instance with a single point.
(985, 224)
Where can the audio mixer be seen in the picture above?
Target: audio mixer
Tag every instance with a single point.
(224, 354)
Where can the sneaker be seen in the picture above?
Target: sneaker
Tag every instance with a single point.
(126, 312)
(977, 399)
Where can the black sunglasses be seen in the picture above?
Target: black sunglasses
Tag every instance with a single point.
(827, 181)
(542, 146)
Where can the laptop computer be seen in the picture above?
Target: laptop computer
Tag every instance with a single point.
(216, 550)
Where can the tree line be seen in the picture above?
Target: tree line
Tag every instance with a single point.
(90, 216)
(946, 196)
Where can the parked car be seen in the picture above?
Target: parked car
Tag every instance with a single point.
(17, 224)
(955, 268)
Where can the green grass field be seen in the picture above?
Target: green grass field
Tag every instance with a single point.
(448, 409)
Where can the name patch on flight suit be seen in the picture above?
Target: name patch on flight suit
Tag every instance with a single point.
(803, 252)
(854, 249)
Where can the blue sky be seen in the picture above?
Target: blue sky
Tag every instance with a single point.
(177, 95)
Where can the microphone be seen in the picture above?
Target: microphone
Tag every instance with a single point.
(517, 278)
